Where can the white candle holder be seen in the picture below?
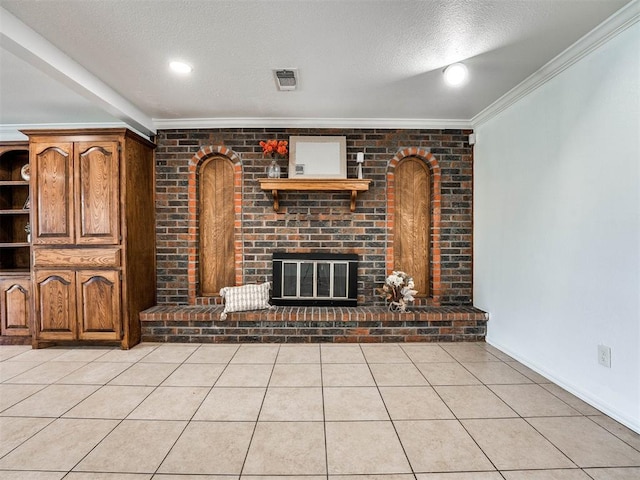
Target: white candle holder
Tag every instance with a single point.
(360, 161)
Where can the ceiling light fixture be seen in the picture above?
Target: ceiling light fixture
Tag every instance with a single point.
(456, 74)
(180, 67)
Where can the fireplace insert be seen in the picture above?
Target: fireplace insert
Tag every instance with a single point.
(315, 279)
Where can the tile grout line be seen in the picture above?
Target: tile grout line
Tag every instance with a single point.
(188, 422)
(609, 431)
(324, 416)
(255, 426)
(393, 425)
(457, 419)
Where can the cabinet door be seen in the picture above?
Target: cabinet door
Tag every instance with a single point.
(99, 315)
(14, 305)
(51, 167)
(97, 193)
(55, 304)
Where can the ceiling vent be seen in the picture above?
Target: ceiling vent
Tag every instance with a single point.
(286, 78)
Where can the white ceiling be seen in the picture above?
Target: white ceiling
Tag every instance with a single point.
(357, 59)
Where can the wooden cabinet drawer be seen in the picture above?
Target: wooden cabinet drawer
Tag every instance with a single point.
(76, 257)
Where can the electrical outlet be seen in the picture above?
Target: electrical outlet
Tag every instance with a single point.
(604, 356)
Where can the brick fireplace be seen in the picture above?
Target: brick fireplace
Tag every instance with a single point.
(313, 221)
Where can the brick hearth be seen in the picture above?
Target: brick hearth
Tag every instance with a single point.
(182, 323)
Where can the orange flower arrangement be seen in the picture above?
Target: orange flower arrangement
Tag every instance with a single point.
(275, 147)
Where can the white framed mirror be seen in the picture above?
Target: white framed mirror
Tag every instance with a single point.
(317, 157)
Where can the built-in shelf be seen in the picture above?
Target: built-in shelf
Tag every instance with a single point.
(276, 185)
(14, 211)
(13, 183)
(15, 272)
(15, 251)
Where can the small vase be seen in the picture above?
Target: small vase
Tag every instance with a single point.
(274, 169)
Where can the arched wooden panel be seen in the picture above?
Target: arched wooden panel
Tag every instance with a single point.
(17, 301)
(55, 299)
(217, 220)
(52, 184)
(14, 306)
(412, 221)
(99, 304)
(97, 212)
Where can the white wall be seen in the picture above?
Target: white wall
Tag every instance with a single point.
(557, 227)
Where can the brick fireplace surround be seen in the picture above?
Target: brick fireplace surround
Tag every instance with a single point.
(314, 221)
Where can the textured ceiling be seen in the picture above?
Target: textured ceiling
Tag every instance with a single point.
(356, 59)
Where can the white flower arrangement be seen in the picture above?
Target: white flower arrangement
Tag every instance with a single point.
(398, 290)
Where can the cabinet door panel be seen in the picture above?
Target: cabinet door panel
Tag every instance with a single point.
(14, 306)
(53, 187)
(55, 304)
(99, 305)
(97, 181)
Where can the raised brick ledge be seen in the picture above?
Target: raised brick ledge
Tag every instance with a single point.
(199, 323)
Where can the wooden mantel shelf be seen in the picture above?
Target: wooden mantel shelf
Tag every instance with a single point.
(313, 184)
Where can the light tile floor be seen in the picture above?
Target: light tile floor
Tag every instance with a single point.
(282, 412)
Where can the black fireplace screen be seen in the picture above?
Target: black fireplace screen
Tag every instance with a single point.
(329, 279)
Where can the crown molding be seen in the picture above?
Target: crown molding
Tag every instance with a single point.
(293, 122)
(615, 24)
(11, 132)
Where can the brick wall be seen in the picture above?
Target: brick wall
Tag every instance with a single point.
(309, 221)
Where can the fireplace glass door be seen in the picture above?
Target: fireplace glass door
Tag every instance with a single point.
(315, 279)
(304, 280)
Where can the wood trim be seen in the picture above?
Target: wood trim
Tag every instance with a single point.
(76, 257)
(85, 135)
(277, 185)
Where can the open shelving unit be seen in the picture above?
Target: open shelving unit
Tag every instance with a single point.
(15, 249)
(14, 217)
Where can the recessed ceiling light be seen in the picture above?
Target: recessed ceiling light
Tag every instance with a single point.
(180, 67)
(456, 74)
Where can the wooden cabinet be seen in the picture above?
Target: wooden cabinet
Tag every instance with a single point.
(82, 304)
(93, 234)
(77, 187)
(15, 306)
